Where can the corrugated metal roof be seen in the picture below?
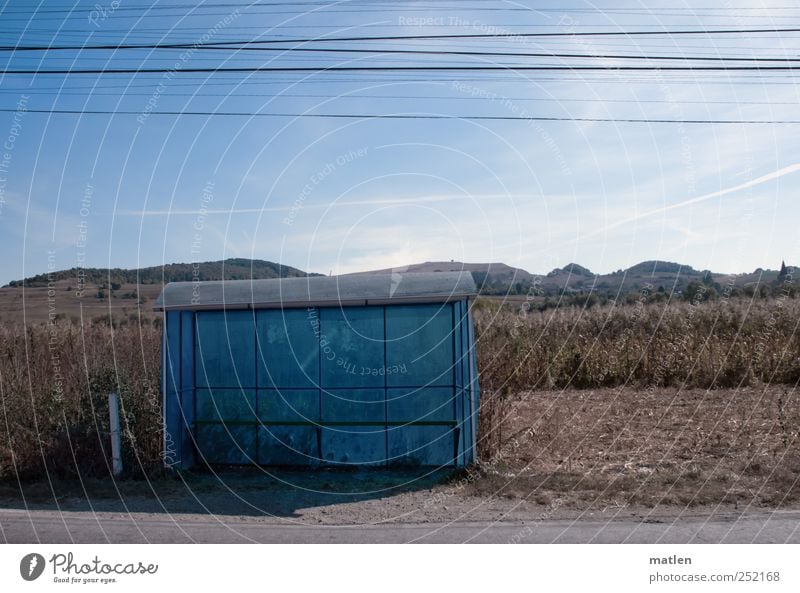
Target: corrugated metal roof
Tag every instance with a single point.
(356, 289)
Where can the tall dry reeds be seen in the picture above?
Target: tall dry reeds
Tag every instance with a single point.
(54, 385)
(723, 344)
(54, 379)
(712, 345)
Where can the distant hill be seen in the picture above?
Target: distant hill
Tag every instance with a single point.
(126, 295)
(573, 269)
(660, 267)
(573, 279)
(489, 277)
(228, 269)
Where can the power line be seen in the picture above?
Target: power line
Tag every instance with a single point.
(192, 43)
(232, 32)
(759, 80)
(161, 7)
(317, 69)
(498, 35)
(439, 52)
(322, 7)
(401, 116)
(510, 54)
(325, 8)
(491, 97)
(579, 9)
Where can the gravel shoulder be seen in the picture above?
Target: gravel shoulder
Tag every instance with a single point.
(330, 497)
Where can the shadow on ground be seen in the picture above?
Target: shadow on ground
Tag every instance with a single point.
(223, 491)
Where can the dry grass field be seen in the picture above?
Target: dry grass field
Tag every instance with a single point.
(131, 303)
(666, 446)
(643, 404)
(709, 345)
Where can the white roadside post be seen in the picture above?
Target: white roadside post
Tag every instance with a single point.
(116, 452)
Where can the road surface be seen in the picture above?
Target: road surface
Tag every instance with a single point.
(47, 526)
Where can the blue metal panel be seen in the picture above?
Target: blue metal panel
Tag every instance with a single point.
(419, 343)
(288, 348)
(288, 405)
(422, 445)
(172, 388)
(353, 405)
(351, 347)
(354, 445)
(288, 445)
(474, 394)
(428, 404)
(458, 341)
(226, 443)
(461, 375)
(224, 347)
(226, 405)
(187, 389)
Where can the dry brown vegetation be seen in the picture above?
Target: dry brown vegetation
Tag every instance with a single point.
(679, 404)
(54, 385)
(129, 303)
(625, 446)
(712, 345)
(645, 403)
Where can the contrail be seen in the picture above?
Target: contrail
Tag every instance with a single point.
(757, 181)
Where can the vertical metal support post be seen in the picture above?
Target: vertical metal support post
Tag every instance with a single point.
(116, 445)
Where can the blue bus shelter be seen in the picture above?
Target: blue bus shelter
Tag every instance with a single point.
(349, 370)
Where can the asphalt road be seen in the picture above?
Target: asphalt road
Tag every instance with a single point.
(19, 526)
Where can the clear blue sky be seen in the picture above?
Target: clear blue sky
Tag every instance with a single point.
(341, 195)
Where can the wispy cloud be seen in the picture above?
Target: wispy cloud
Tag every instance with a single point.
(333, 204)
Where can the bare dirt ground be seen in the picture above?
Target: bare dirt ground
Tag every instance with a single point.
(656, 447)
